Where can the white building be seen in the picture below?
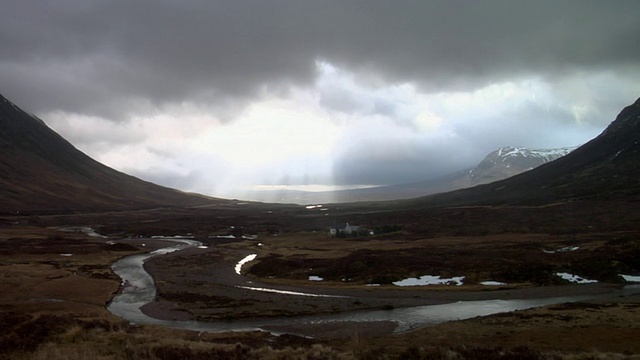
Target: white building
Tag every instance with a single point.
(344, 228)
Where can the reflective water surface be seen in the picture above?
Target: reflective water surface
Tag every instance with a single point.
(139, 289)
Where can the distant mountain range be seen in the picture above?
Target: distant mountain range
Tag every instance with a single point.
(499, 164)
(604, 169)
(42, 172)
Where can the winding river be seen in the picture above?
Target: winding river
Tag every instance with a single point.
(138, 289)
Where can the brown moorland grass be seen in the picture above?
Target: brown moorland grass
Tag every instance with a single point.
(510, 258)
(53, 306)
(575, 328)
(44, 272)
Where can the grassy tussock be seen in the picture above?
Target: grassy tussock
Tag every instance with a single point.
(59, 337)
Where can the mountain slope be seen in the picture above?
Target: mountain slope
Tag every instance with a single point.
(605, 168)
(509, 161)
(499, 164)
(41, 171)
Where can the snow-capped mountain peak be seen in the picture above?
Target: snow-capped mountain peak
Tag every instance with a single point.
(508, 161)
(548, 154)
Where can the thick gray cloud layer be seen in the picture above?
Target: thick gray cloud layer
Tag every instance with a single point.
(93, 54)
(118, 60)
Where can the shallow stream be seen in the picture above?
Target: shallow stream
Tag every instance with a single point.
(138, 289)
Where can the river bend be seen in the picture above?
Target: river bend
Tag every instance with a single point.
(138, 289)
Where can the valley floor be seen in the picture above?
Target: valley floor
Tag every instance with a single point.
(56, 285)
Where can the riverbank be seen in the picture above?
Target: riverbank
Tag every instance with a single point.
(53, 306)
(205, 287)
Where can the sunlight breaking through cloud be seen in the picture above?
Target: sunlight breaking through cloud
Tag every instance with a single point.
(340, 132)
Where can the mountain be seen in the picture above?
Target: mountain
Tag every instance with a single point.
(42, 172)
(605, 168)
(499, 164)
(509, 161)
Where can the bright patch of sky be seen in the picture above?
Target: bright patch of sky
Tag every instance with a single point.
(225, 97)
(341, 132)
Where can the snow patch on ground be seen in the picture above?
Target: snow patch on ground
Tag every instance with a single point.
(247, 258)
(630, 278)
(492, 283)
(165, 237)
(430, 280)
(575, 278)
(564, 249)
(315, 278)
(289, 292)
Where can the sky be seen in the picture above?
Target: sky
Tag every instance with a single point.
(226, 97)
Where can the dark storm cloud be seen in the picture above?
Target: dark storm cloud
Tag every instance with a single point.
(110, 65)
(112, 58)
(378, 163)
